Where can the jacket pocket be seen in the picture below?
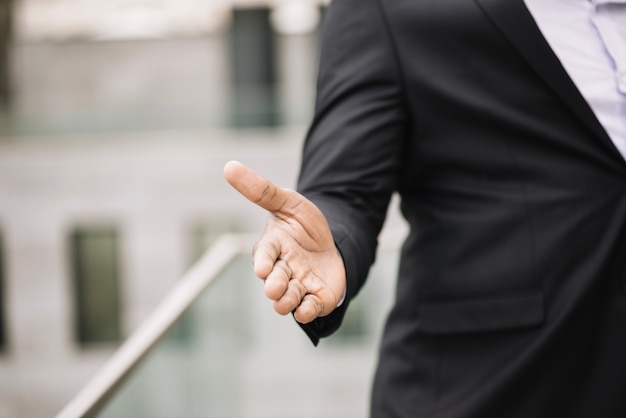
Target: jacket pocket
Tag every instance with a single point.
(482, 314)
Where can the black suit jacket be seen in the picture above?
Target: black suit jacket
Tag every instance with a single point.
(510, 296)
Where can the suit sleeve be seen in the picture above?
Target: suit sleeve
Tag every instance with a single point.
(352, 153)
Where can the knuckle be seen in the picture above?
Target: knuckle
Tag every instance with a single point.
(315, 304)
(277, 280)
(275, 288)
(267, 194)
(264, 256)
(281, 307)
(308, 310)
(261, 268)
(291, 298)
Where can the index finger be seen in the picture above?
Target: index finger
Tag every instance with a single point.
(255, 187)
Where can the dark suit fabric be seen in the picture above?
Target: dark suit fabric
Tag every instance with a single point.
(510, 296)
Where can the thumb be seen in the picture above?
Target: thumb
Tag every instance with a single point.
(255, 187)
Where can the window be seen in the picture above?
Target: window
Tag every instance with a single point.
(253, 69)
(6, 20)
(3, 341)
(96, 283)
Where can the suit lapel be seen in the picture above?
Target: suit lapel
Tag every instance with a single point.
(514, 20)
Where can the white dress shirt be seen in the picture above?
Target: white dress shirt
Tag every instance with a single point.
(589, 38)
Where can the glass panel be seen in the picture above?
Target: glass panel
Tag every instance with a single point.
(96, 284)
(240, 359)
(204, 234)
(195, 376)
(354, 325)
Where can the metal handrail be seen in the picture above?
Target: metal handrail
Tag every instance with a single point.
(94, 395)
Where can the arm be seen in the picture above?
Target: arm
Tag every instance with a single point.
(351, 158)
(320, 240)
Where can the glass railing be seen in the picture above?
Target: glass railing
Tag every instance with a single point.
(223, 352)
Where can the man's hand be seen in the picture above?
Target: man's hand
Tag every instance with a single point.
(296, 255)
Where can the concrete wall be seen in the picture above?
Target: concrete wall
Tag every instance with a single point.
(153, 187)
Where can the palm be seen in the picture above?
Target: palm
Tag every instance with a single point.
(296, 255)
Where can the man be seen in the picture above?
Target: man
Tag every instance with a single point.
(502, 125)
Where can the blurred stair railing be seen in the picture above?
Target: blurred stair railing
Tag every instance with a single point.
(96, 393)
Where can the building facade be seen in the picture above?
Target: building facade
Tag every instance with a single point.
(122, 117)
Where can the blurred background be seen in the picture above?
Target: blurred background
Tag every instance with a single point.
(116, 118)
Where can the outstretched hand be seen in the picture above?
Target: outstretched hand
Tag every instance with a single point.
(296, 255)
